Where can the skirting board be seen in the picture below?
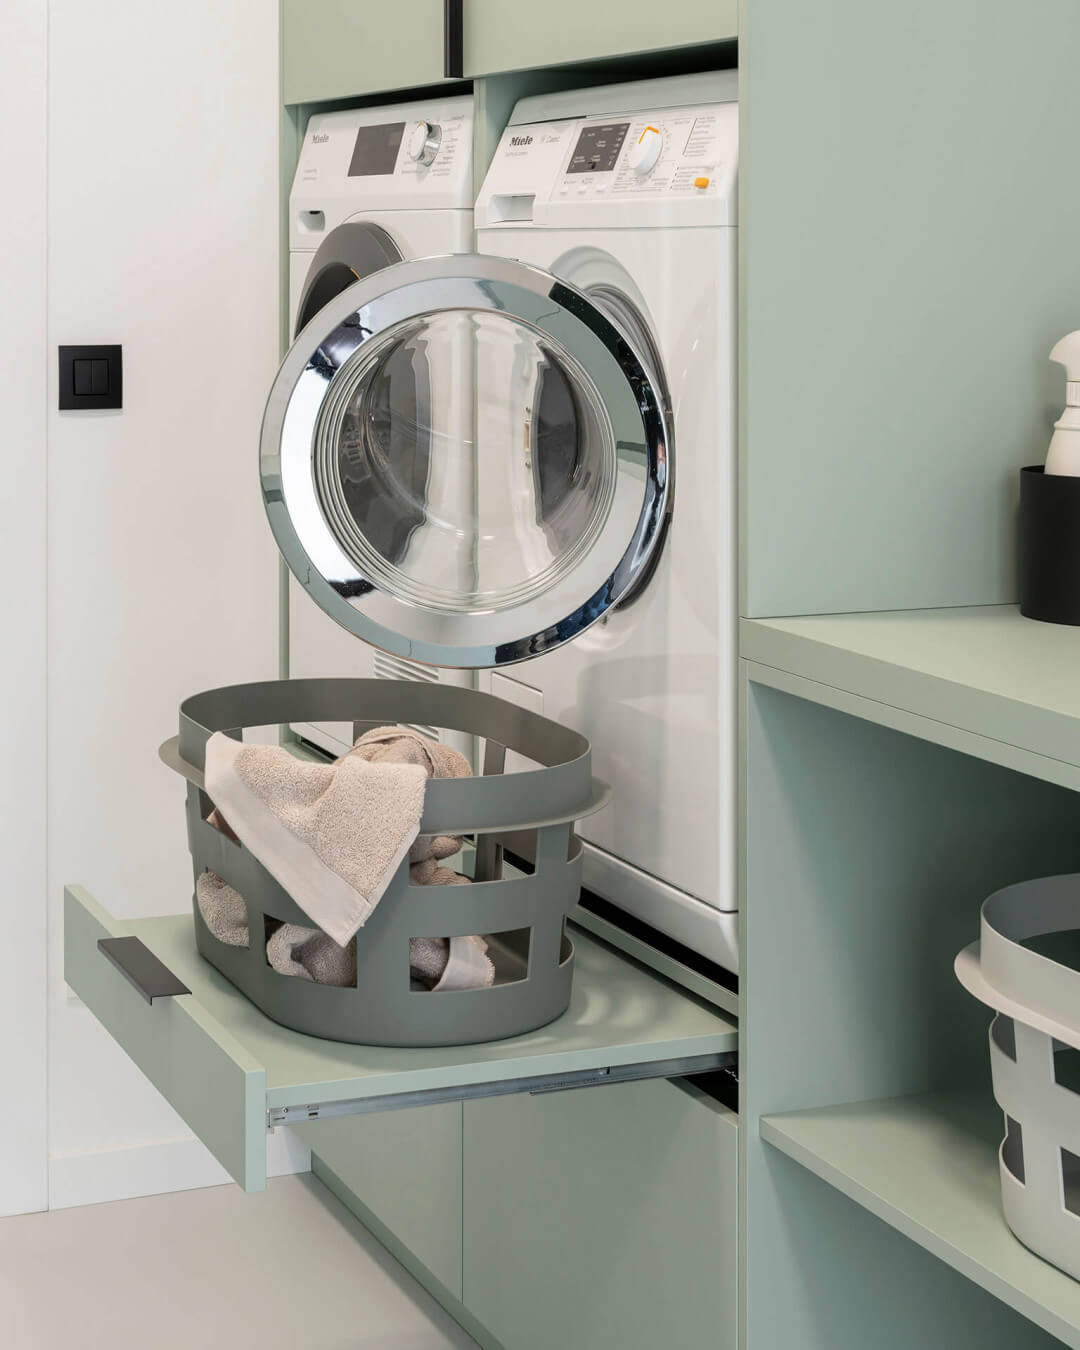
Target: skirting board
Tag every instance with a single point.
(156, 1168)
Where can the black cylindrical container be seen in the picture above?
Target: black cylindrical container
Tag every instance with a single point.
(1049, 546)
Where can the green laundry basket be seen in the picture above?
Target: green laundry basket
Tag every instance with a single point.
(522, 916)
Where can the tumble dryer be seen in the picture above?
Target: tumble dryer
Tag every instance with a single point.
(374, 186)
(628, 193)
(522, 461)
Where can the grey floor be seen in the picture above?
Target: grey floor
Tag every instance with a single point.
(212, 1268)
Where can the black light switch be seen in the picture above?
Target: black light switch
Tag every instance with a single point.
(91, 377)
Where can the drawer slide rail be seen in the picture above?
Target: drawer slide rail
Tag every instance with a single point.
(556, 1082)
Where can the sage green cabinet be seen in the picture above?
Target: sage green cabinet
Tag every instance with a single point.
(347, 48)
(404, 1167)
(351, 48)
(603, 1219)
(504, 35)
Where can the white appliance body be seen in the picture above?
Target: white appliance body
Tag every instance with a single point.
(356, 171)
(628, 192)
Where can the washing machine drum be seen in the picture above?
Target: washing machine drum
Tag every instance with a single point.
(466, 461)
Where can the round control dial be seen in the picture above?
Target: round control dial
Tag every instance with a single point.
(422, 142)
(644, 155)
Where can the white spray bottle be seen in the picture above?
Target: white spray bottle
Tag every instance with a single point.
(1063, 456)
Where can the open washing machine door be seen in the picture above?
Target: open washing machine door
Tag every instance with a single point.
(465, 461)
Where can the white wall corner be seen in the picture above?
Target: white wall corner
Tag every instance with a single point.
(23, 598)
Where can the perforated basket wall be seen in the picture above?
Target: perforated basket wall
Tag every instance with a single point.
(1034, 1058)
(521, 915)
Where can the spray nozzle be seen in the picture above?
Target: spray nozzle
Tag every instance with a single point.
(1067, 353)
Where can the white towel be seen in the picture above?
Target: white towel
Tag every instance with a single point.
(332, 835)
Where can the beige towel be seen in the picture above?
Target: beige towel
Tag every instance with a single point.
(310, 954)
(434, 963)
(223, 910)
(332, 835)
(403, 745)
(438, 964)
(302, 806)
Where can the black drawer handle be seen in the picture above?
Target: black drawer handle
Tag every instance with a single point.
(141, 968)
(453, 39)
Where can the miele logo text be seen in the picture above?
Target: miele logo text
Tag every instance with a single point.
(521, 140)
(320, 138)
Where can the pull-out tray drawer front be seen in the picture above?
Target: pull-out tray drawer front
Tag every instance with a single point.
(210, 1078)
(230, 1072)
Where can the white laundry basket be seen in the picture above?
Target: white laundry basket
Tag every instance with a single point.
(1035, 1058)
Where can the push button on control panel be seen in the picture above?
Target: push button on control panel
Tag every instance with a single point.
(701, 182)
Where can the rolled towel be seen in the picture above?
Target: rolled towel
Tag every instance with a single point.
(437, 846)
(434, 963)
(310, 954)
(444, 964)
(437, 964)
(223, 910)
(429, 873)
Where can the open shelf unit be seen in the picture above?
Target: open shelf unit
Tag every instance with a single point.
(927, 1165)
(868, 853)
(983, 680)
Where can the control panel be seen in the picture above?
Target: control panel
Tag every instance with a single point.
(673, 165)
(415, 148)
(408, 156)
(682, 151)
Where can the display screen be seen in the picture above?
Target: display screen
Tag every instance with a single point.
(598, 148)
(376, 149)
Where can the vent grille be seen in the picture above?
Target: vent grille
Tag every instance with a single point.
(388, 667)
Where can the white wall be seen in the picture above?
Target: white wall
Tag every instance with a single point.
(22, 606)
(163, 236)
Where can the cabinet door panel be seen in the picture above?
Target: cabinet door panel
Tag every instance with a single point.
(405, 1167)
(603, 1219)
(345, 48)
(509, 35)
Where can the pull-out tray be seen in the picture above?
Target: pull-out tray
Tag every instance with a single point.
(230, 1072)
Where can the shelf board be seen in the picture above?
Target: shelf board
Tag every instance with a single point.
(927, 1165)
(985, 681)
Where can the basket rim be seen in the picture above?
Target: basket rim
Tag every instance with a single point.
(1005, 975)
(562, 790)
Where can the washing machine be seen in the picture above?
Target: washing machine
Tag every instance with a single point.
(628, 194)
(374, 186)
(571, 530)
